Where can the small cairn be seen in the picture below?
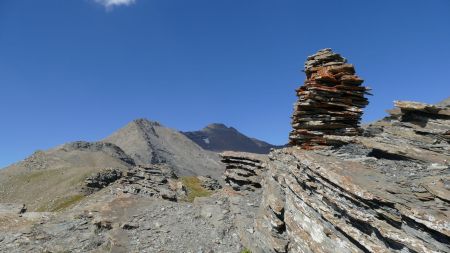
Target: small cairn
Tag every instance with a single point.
(330, 102)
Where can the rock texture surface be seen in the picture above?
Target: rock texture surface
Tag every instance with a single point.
(243, 170)
(330, 102)
(156, 180)
(102, 179)
(386, 191)
(125, 223)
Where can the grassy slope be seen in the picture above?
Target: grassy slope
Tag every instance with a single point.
(58, 184)
(194, 188)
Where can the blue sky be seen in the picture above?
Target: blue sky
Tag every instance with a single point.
(80, 69)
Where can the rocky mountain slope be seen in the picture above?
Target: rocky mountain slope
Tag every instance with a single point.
(218, 137)
(149, 142)
(49, 180)
(142, 211)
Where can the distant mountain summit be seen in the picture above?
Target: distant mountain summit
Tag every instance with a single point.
(445, 102)
(149, 142)
(218, 137)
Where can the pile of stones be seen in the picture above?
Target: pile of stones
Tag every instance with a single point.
(330, 102)
(243, 170)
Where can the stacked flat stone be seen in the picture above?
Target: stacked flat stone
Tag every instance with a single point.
(330, 102)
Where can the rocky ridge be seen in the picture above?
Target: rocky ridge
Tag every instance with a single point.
(384, 191)
(336, 201)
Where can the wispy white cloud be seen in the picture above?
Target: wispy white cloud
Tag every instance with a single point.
(113, 3)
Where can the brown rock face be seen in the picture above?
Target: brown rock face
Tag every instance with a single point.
(330, 102)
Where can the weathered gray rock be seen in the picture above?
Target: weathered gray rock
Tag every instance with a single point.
(103, 178)
(352, 203)
(153, 180)
(243, 170)
(386, 191)
(126, 223)
(209, 183)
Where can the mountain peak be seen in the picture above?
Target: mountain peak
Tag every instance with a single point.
(219, 137)
(144, 121)
(219, 127)
(216, 126)
(149, 142)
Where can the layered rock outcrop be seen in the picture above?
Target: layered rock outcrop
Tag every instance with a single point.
(385, 191)
(384, 188)
(155, 180)
(102, 179)
(243, 170)
(330, 102)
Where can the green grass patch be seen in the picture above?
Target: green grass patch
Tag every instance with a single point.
(246, 251)
(194, 188)
(61, 204)
(66, 202)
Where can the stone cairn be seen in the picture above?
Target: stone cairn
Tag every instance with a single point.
(330, 102)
